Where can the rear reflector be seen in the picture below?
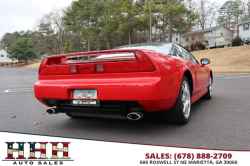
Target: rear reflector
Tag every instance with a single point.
(73, 69)
(99, 68)
(112, 63)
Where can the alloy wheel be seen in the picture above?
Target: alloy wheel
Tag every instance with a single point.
(210, 87)
(186, 99)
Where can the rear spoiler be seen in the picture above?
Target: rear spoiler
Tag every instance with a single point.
(91, 53)
(109, 61)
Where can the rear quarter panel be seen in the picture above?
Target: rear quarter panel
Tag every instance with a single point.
(171, 70)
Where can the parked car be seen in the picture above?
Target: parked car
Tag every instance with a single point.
(22, 61)
(127, 82)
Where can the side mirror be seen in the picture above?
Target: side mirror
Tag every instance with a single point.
(205, 61)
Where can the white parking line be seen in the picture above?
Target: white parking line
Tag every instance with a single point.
(238, 77)
(221, 75)
(18, 91)
(8, 90)
(11, 86)
(21, 83)
(233, 74)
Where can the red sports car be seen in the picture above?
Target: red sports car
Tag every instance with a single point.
(127, 82)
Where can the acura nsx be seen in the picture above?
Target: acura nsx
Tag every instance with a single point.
(127, 82)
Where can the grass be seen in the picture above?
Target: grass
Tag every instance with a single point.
(223, 60)
(34, 65)
(229, 60)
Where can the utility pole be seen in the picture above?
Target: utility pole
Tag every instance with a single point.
(150, 22)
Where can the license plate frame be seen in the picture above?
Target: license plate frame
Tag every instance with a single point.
(85, 103)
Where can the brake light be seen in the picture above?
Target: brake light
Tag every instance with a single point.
(144, 62)
(46, 68)
(43, 65)
(57, 60)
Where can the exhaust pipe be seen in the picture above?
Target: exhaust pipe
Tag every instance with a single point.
(52, 111)
(135, 116)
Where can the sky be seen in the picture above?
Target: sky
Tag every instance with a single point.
(17, 15)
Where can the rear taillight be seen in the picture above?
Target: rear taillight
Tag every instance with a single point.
(144, 62)
(50, 67)
(43, 65)
(56, 66)
(57, 60)
(141, 64)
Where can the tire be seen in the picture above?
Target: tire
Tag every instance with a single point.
(180, 114)
(208, 95)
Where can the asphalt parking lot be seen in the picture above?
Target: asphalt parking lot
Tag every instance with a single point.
(220, 123)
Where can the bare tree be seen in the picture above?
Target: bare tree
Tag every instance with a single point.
(170, 23)
(230, 14)
(50, 33)
(207, 13)
(246, 9)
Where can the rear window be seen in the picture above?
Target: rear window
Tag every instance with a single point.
(164, 48)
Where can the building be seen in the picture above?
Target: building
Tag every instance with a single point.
(244, 30)
(176, 38)
(211, 37)
(4, 57)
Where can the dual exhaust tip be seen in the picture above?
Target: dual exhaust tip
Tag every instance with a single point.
(135, 115)
(130, 116)
(52, 111)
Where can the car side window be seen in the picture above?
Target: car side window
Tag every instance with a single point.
(192, 57)
(173, 51)
(188, 55)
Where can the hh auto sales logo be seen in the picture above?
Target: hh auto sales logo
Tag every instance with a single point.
(41, 159)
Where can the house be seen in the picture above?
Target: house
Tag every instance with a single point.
(244, 30)
(211, 37)
(4, 57)
(176, 38)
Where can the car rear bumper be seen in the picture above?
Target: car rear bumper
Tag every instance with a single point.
(149, 92)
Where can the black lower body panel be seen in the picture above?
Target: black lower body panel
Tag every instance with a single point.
(109, 108)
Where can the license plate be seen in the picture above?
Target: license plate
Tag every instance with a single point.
(85, 94)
